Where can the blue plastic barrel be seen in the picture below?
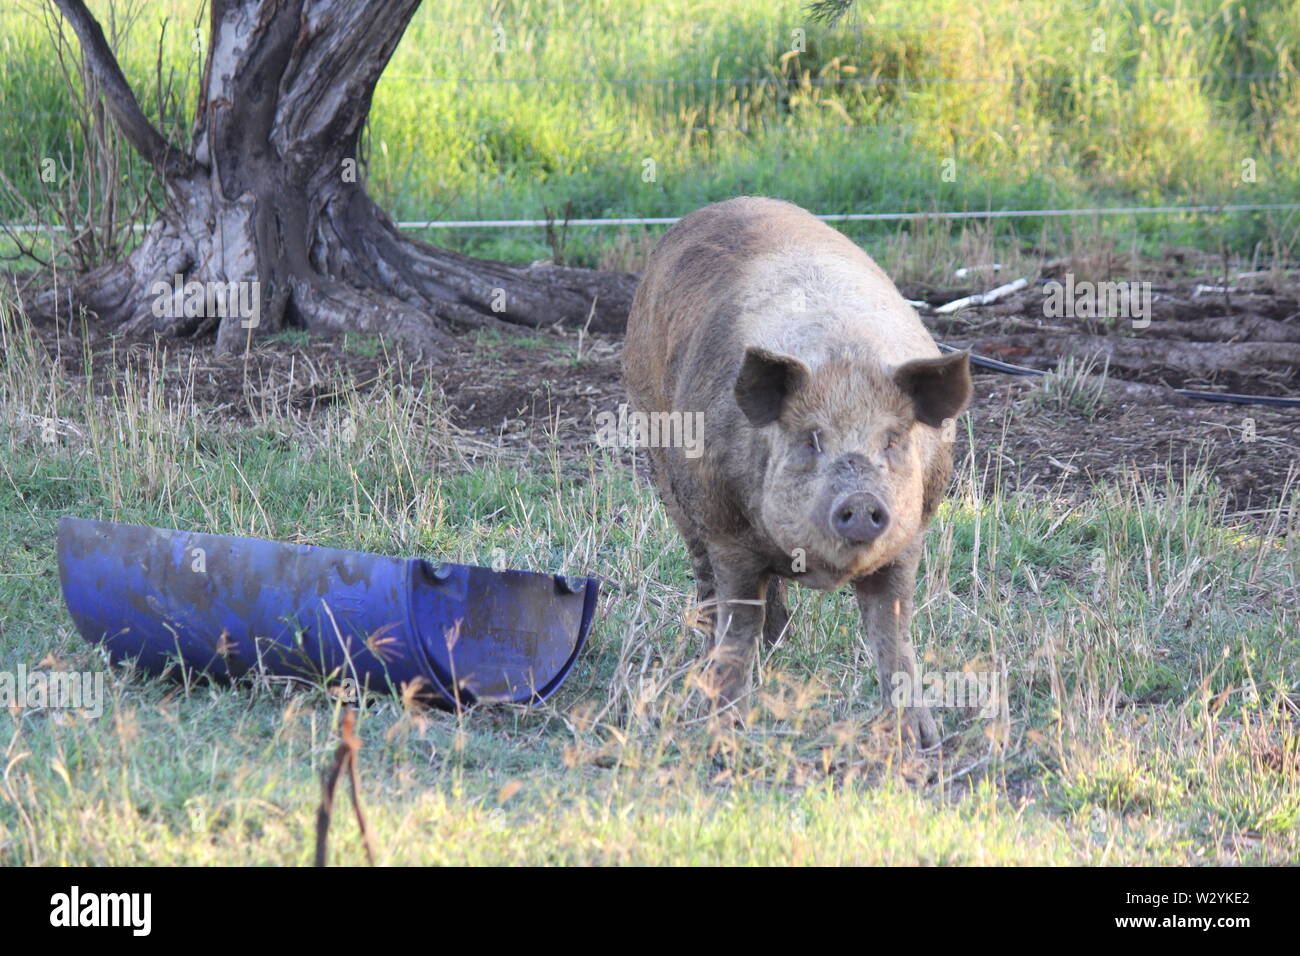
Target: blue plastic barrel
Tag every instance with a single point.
(224, 606)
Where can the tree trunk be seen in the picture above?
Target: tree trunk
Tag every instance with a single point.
(268, 222)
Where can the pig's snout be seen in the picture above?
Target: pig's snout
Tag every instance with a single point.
(859, 517)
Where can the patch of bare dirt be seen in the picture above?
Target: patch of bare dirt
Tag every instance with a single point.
(516, 392)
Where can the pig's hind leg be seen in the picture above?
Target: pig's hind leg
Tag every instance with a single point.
(706, 590)
(705, 586)
(777, 618)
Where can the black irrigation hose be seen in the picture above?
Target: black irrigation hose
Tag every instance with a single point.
(1276, 401)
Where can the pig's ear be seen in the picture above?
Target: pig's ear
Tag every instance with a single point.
(939, 387)
(765, 381)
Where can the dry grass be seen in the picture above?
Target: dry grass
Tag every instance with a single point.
(1148, 649)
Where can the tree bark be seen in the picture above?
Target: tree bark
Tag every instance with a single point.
(271, 199)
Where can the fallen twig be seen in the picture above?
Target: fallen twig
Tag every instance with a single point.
(983, 298)
(346, 754)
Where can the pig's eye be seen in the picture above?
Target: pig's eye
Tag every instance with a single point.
(893, 440)
(813, 442)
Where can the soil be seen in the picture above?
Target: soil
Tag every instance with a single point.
(513, 392)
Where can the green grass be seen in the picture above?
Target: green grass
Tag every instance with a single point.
(915, 105)
(1150, 648)
(1078, 385)
(1150, 652)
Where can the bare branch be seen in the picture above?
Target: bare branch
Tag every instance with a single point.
(139, 132)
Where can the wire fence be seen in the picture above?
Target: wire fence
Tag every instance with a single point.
(869, 216)
(1205, 209)
(1130, 79)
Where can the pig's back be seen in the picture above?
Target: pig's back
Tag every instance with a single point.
(756, 271)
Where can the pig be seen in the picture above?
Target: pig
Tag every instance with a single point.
(824, 402)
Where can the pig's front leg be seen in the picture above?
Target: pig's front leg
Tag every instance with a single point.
(740, 581)
(885, 599)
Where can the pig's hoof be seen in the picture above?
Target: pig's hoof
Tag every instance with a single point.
(915, 726)
(920, 725)
(725, 687)
(729, 694)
